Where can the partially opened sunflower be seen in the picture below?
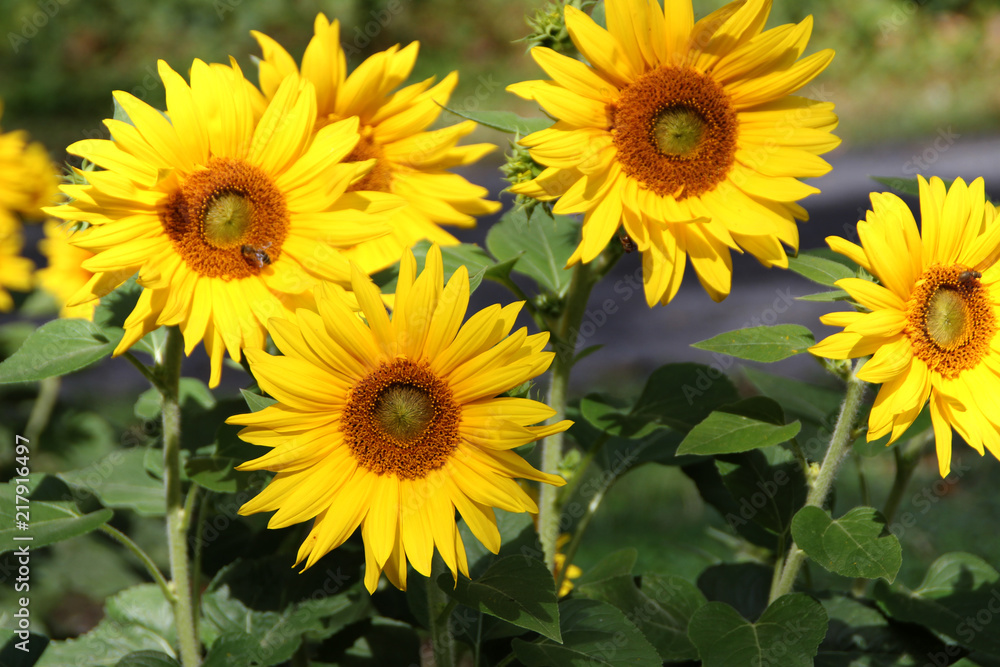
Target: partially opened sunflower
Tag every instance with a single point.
(231, 209)
(685, 134)
(394, 423)
(934, 318)
(409, 161)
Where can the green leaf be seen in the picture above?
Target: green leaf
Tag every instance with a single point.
(801, 399)
(616, 564)
(541, 244)
(764, 343)
(682, 395)
(115, 307)
(256, 402)
(48, 522)
(505, 121)
(217, 471)
(144, 605)
(517, 589)
(818, 269)
(860, 635)
(824, 297)
(595, 634)
(661, 609)
(138, 619)
(724, 432)
(766, 493)
(743, 586)
(240, 636)
(472, 257)
(147, 659)
(852, 546)
(957, 588)
(120, 480)
(147, 406)
(613, 420)
(59, 347)
(787, 634)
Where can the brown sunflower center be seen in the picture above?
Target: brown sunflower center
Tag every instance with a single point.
(950, 320)
(401, 419)
(675, 130)
(227, 220)
(379, 178)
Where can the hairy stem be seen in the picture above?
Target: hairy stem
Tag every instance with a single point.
(169, 372)
(840, 444)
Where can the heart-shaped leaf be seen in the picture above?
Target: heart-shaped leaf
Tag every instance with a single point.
(853, 545)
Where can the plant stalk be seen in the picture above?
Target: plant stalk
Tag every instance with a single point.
(439, 608)
(169, 372)
(840, 445)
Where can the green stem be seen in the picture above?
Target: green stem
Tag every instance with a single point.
(564, 335)
(41, 411)
(143, 557)
(439, 608)
(150, 376)
(581, 528)
(840, 444)
(169, 372)
(907, 459)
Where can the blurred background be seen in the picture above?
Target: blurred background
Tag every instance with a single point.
(915, 87)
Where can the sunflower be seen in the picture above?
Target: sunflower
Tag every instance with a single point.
(409, 162)
(933, 320)
(64, 275)
(28, 179)
(230, 208)
(394, 424)
(683, 133)
(15, 271)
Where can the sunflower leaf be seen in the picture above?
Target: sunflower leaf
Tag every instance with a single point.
(517, 589)
(593, 633)
(147, 659)
(665, 605)
(957, 588)
(852, 546)
(831, 295)
(505, 121)
(120, 480)
(753, 423)
(764, 343)
(59, 347)
(541, 243)
(819, 269)
(48, 522)
(788, 633)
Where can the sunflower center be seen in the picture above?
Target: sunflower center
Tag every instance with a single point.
(675, 132)
(403, 412)
(227, 220)
(401, 419)
(379, 178)
(950, 320)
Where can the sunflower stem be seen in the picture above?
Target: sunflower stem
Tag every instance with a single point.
(169, 373)
(840, 445)
(564, 340)
(439, 608)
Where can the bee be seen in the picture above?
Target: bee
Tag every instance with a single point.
(256, 256)
(628, 245)
(969, 277)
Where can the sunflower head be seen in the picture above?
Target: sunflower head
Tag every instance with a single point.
(930, 324)
(409, 161)
(684, 133)
(230, 207)
(394, 423)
